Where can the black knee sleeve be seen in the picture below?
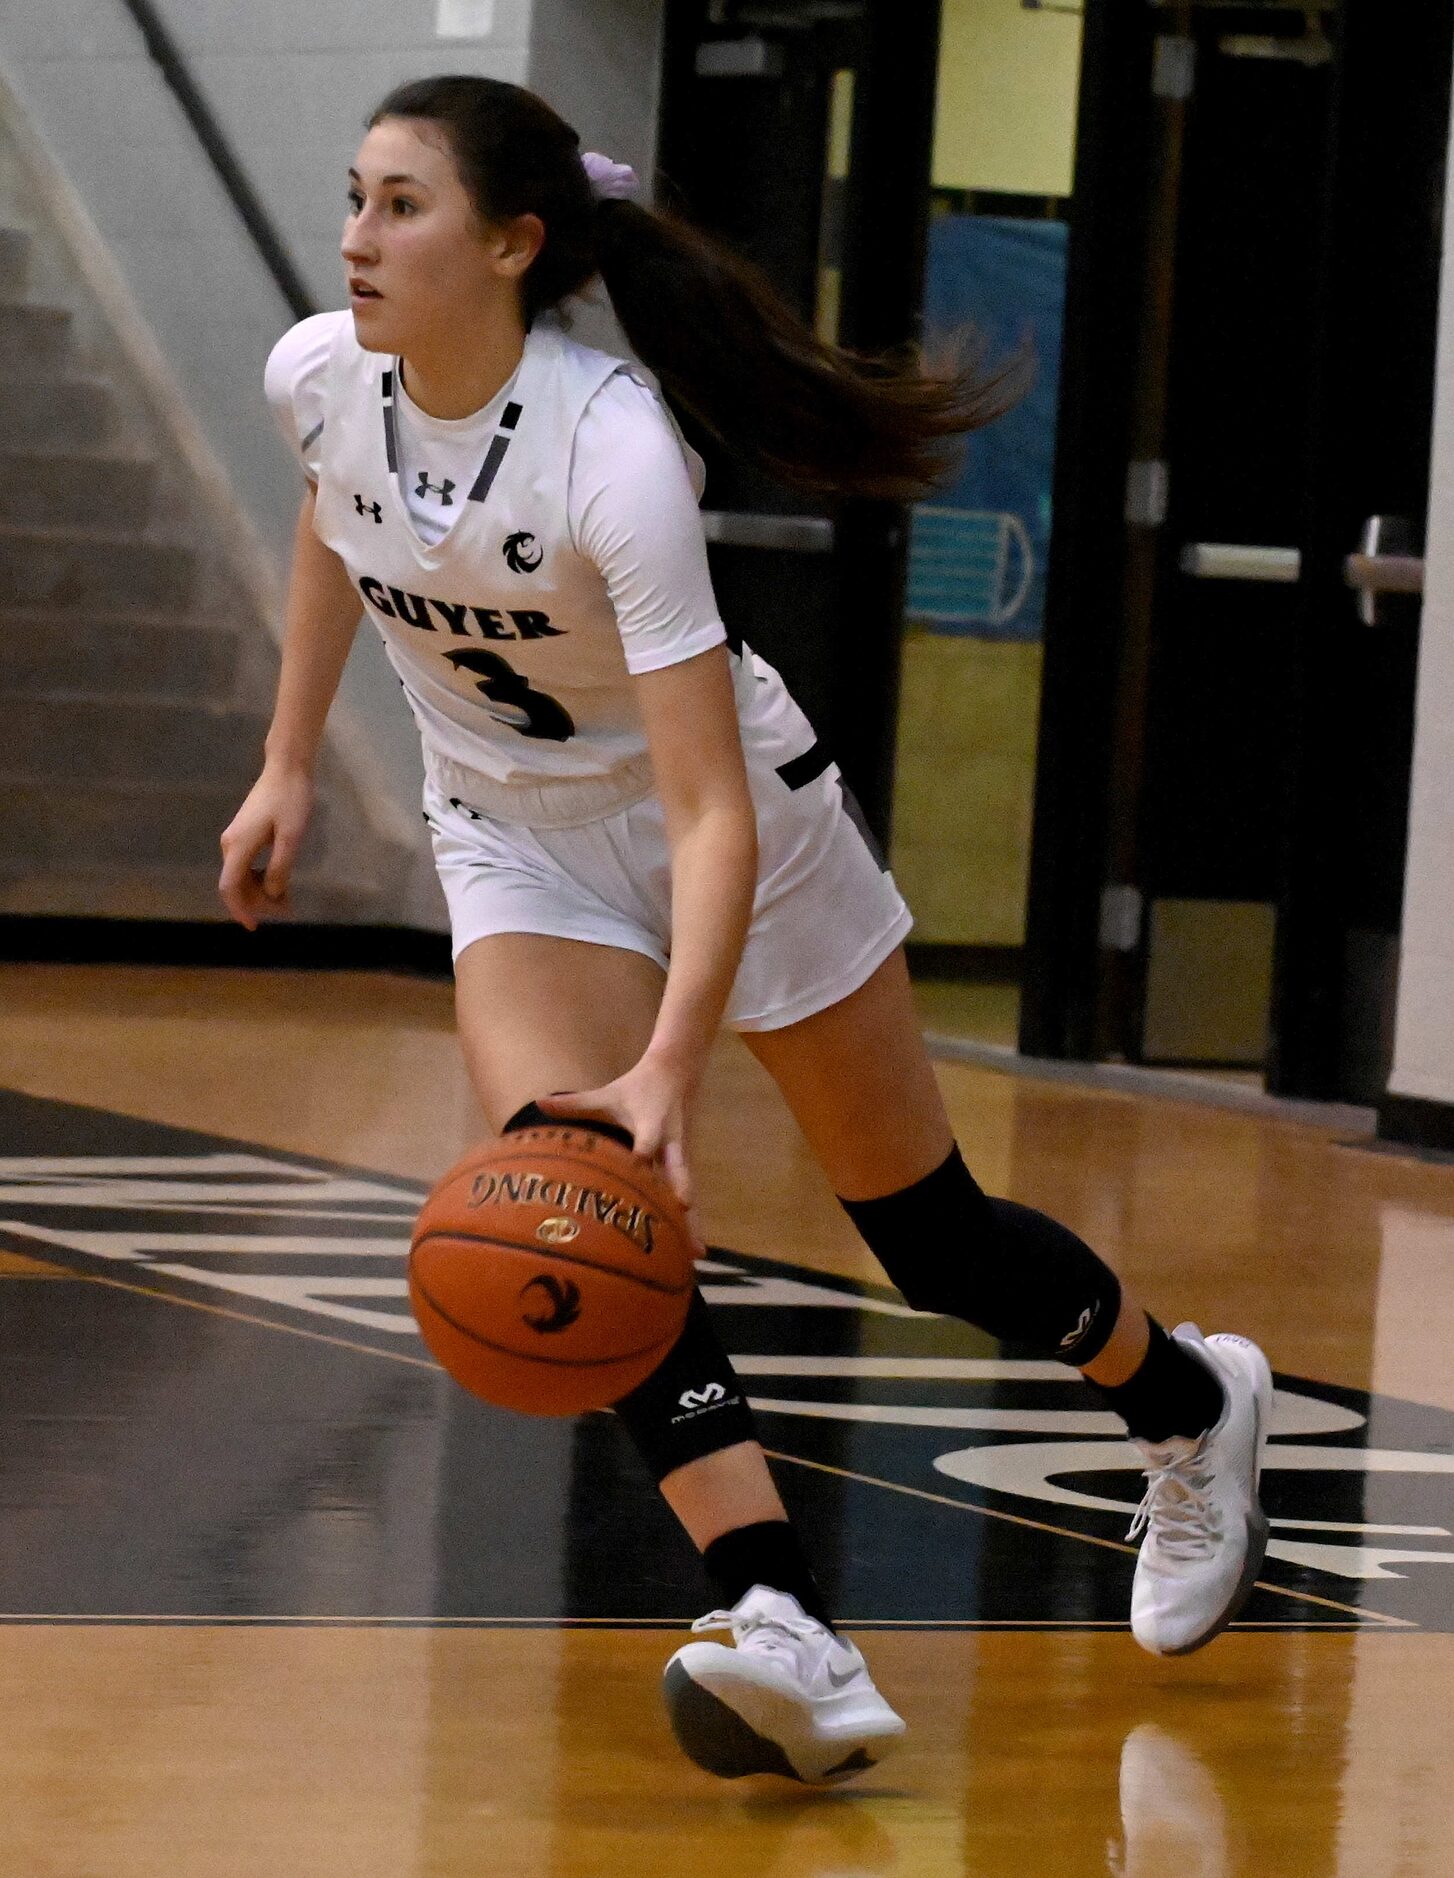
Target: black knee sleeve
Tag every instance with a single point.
(533, 1116)
(692, 1404)
(1014, 1272)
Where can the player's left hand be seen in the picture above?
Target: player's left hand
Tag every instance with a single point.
(652, 1102)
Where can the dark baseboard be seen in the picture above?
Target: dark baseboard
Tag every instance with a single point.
(986, 965)
(46, 939)
(1239, 1066)
(1417, 1122)
(282, 947)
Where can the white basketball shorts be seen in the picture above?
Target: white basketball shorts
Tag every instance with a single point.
(826, 916)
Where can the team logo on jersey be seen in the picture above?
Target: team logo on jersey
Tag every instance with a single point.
(376, 509)
(444, 490)
(517, 552)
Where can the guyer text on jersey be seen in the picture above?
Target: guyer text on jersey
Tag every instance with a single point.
(447, 616)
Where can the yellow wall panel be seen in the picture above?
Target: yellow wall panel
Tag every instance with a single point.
(965, 786)
(1008, 81)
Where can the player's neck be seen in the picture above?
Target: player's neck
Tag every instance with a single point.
(454, 380)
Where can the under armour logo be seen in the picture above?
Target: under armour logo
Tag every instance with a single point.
(562, 1299)
(517, 551)
(375, 509)
(1087, 1318)
(702, 1398)
(444, 490)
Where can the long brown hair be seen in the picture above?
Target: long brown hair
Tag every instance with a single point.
(725, 346)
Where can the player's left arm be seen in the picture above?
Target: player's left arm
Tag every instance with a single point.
(692, 731)
(690, 718)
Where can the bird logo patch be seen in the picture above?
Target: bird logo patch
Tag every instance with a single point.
(519, 550)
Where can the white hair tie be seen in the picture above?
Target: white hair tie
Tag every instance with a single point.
(610, 182)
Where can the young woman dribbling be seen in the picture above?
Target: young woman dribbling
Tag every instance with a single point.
(639, 839)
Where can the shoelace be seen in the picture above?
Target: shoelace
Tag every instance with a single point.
(1178, 1508)
(774, 1636)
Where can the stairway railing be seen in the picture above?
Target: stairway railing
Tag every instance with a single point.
(171, 62)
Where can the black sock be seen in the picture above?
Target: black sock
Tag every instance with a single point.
(1171, 1394)
(767, 1553)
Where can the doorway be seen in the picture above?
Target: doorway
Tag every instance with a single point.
(1225, 738)
(900, 173)
(1003, 161)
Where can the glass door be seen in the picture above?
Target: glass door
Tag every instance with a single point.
(1004, 147)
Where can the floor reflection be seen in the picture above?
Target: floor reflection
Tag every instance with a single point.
(1173, 1813)
(367, 1752)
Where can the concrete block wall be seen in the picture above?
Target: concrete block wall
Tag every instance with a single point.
(291, 86)
(1424, 1042)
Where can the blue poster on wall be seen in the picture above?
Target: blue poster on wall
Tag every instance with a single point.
(978, 549)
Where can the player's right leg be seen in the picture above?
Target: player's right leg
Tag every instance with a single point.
(539, 1014)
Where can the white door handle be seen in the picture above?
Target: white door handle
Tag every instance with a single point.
(1225, 560)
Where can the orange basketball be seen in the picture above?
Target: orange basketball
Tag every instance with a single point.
(551, 1271)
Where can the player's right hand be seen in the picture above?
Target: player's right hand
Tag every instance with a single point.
(274, 816)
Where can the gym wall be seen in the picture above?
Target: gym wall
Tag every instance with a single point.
(290, 86)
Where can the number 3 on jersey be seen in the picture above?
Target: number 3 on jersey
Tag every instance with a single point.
(512, 701)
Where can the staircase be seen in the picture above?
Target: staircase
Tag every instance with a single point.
(135, 675)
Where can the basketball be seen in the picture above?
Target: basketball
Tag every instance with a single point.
(551, 1271)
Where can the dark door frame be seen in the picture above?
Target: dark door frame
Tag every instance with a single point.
(1085, 578)
(1368, 450)
(885, 260)
(881, 230)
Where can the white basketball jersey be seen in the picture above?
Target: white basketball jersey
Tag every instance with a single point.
(502, 632)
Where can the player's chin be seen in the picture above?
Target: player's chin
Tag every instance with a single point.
(373, 328)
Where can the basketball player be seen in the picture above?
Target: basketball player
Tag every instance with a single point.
(638, 836)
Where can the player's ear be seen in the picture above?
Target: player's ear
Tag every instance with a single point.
(515, 244)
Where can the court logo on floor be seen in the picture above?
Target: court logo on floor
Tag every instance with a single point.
(903, 1437)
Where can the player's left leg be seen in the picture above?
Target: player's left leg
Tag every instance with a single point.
(862, 1089)
(539, 1013)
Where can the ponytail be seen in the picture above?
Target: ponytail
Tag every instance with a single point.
(727, 349)
(730, 351)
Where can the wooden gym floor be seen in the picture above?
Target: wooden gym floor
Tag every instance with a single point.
(279, 1599)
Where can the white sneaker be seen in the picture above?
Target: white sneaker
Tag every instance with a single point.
(1206, 1533)
(790, 1699)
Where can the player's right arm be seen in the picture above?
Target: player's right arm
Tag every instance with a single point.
(322, 617)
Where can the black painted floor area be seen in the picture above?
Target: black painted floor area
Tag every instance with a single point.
(239, 1422)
